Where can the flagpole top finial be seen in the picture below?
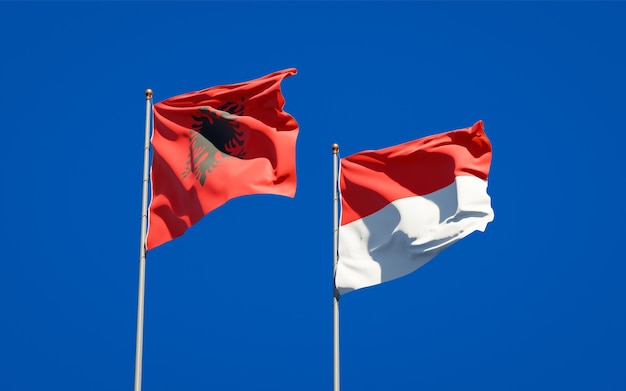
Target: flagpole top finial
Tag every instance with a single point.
(148, 93)
(335, 148)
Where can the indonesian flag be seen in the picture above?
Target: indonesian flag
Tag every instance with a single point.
(403, 205)
(217, 144)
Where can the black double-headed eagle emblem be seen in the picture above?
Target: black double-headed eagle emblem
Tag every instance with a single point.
(216, 136)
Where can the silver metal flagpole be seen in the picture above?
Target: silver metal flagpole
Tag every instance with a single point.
(336, 293)
(142, 245)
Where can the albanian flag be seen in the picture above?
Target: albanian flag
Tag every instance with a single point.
(216, 144)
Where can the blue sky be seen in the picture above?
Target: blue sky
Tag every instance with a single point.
(243, 301)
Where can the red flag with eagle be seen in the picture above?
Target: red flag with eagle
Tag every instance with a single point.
(216, 144)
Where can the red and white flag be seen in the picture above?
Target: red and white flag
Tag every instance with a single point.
(403, 205)
(217, 144)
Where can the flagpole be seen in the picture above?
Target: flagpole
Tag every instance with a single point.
(336, 293)
(142, 246)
